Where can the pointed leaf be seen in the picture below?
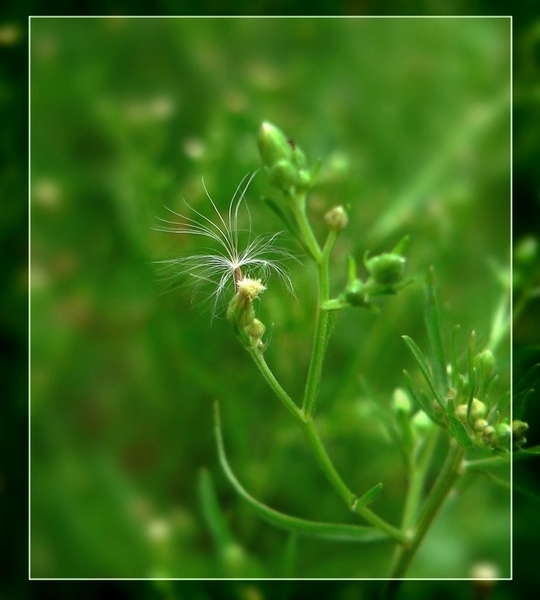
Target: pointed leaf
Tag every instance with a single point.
(288, 220)
(422, 363)
(402, 245)
(212, 512)
(368, 497)
(457, 428)
(315, 170)
(433, 325)
(422, 402)
(454, 359)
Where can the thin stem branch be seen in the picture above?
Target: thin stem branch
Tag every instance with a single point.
(449, 474)
(298, 207)
(321, 328)
(319, 450)
(341, 488)
(417, 477)
(287, 401)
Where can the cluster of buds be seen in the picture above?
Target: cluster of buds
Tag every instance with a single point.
(495, 435)
(241, 311)
(284, 161)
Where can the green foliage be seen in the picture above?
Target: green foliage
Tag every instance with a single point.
(410, 121)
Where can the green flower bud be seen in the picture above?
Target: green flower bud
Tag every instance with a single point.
(519, 428)
(305, 179)
(480, 424)
(354, 293)
(421, 423)
(240, 310)
(503, 431)
(489, 436)
(283, 175)
(386, 269)
(256, 330)
(461, 412)
(336, 218)
(478, 409)
(485, 363)
(298, 157)
(273, 145)
(401, 402)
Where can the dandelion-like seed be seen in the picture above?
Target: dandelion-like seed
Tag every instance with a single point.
(227, 264)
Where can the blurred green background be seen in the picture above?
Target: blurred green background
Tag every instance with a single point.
(411, 119)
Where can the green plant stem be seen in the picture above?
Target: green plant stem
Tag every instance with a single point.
(417, 477)
(341, 488)
(321, 328)
(298, 207)
(449, 474)
(319, 450)
(266, 372)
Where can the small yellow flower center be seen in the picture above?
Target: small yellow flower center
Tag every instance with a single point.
(249, 289)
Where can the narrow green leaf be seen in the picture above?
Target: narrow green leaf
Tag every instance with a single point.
(315, 170)
(402, 245)
(351, 269)
(334, 531)
(454, 360)
(422, 363)
(422, 402)
(286, 217)
(471, 380)
(457, 428)
(212, 512)
(368, 497)
(433, 325)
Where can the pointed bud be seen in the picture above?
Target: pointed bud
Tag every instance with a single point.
(485, 363)
(478, 409)
(273, 145)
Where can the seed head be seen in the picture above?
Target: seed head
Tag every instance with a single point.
(233, 256)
